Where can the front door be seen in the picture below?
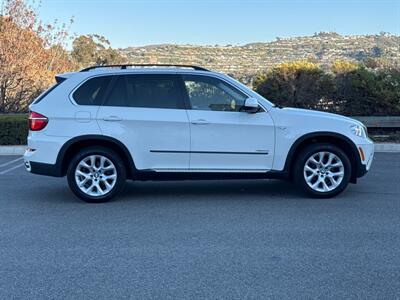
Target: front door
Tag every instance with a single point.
(223, 137)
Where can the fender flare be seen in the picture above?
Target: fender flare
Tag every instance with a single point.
(324, 134)
(67, 145)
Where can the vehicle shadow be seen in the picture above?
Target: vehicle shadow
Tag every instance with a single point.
(203, 190)
(224, 189)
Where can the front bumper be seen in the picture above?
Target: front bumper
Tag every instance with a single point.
(366, 152)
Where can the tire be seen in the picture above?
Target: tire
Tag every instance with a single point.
(322, 170)
(100, 183)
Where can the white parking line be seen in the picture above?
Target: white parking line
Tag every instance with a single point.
(10, 162)
(10, 169)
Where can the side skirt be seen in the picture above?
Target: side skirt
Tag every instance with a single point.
(172, 176)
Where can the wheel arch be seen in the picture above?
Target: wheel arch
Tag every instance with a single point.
(75, 144)
(334, 138)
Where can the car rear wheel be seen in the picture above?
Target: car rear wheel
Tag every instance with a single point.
(322, 170)
(96, 174)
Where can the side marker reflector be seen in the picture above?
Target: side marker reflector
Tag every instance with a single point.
(361, 153)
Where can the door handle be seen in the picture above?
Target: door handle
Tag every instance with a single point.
(200, 122)
(112, 119)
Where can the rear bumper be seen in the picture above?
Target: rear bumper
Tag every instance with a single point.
(43, 169)
(41, 154)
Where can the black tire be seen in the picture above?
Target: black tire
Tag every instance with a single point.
(109, 154)
(305, 154)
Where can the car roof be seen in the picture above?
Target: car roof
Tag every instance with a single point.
(132, 70)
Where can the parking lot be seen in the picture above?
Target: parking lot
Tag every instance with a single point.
(208, 239)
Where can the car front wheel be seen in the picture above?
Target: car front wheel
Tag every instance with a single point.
(96, 174)
(322, 170)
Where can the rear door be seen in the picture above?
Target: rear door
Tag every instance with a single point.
(146, 113)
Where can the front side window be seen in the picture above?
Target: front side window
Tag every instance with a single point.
(208, 93)
(92, 91)
(148, 91)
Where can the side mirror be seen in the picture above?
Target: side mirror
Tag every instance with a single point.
(251, 105)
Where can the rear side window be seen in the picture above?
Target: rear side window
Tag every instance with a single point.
(48, 91)
(149, 91)
(92, 91)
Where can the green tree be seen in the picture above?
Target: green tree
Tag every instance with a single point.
(367, 92)
(94, 49)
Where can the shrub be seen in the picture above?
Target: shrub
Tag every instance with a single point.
(365, 92)
(296, 84)
(348, 88)
(13, 129)
(344, 66)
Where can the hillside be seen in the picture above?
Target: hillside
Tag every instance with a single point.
(246, 60)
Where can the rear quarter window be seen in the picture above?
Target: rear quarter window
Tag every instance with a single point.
(48, 91)
(92, 91)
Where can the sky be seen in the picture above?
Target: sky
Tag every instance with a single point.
(209, 22)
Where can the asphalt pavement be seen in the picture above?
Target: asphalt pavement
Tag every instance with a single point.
(238, 239)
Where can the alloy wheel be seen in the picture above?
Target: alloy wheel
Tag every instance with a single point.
(95, 175)
(323, 171)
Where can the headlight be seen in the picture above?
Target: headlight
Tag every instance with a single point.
(359, 130)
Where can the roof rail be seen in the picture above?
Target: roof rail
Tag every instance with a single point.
(124, 66)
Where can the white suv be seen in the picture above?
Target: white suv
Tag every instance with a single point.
(106, 124)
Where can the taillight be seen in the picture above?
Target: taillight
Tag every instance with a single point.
(37, 121)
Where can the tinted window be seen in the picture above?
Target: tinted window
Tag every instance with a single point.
(118, 95)
(208, 93)
(48, 91)
(45, 93)
(151, 91)
(92, 91)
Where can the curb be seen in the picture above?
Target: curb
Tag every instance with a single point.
(379, 147)
(12, 150)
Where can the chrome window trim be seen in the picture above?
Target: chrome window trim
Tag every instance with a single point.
(70, 95)
(163, 72)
